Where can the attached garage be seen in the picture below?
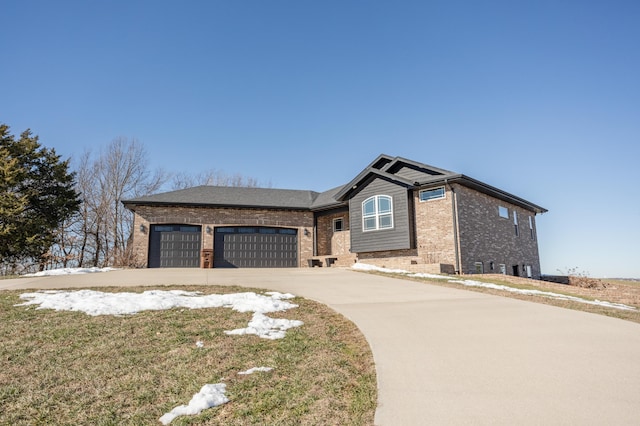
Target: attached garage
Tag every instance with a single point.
(174, 246)
(255, 247)
(223, 227)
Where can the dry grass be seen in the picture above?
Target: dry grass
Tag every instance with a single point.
(71, 368)
(615, 291)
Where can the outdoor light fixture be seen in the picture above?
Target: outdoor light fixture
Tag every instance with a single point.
(306, 232)
(142, 229)
(208, 229)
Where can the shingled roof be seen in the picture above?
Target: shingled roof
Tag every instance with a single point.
(225, 196)
(402, 171)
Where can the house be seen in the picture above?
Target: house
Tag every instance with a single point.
(396, 213)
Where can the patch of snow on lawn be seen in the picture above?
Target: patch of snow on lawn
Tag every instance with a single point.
(265, 327)
(549, 294)
(473, 283)
(366, 267)
(211, 395)
(256, 369)
(69, 271)
(100, 303)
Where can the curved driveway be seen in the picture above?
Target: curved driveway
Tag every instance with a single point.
(447, 356)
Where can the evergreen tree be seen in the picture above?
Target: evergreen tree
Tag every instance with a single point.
(37, 195)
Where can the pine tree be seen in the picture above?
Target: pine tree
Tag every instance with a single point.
(12, 205)
(36, 196)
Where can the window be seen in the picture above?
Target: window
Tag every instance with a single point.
(515, 222)
(377, 213)
(503, 212)
(479, 267)
(338, 225)
(531, 226)
(226, 230)
(529, 271)
(432, 194)
(503, 269)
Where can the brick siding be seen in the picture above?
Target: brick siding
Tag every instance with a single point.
(488, 238)
(330, 242)
(214, 217)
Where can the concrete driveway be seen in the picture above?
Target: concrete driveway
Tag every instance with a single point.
(446, 356)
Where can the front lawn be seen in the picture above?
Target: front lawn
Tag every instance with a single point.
(62, 367)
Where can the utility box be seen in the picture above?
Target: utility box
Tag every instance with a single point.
(206, 260)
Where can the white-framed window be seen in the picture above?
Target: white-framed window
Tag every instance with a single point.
(338, 224)
(515, 222)
(531, 226)
(479, 266)
(503, 269)
(432, 194)
(503, 212)
(529, 271)
(377, 213)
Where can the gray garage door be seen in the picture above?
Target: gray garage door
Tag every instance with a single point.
(174, 246)
(255, 247)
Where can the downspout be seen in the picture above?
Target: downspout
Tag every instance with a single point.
(456, 231)
(315, 234)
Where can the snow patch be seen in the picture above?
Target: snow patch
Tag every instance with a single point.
(100, 303)
(473, 283)
(265, 327)
(366, 267)
(256, 369)
(69, 271)
(211, 395)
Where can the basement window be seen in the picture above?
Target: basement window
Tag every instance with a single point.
(479, 267)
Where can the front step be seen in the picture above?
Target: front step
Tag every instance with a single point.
(338, 261)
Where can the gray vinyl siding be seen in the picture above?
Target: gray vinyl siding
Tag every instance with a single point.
(396, 238)
(412, 174)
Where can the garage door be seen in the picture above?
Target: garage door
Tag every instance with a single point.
(174, 246)
(255, 247)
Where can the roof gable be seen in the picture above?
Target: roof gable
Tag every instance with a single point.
(394, 169)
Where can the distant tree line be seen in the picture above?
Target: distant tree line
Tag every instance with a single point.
(53, 216)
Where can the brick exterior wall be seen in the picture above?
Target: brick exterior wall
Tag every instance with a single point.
(487, 238)
(214, 217)
(434, 229)
(483, 236)
(330, 242)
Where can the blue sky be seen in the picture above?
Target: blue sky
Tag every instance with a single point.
(539, 98)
